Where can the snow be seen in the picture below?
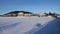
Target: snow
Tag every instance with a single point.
(22, 25)
(53, 27)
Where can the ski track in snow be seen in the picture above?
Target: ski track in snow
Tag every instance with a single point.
(22, 25)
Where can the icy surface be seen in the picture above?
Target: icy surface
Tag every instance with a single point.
(22, 25)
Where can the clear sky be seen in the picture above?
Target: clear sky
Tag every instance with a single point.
(30, 5)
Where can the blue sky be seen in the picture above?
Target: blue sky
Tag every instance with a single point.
(30, 5)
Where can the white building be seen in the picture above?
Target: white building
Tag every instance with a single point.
(24, 14)
(49, 16)
(27, 14)
(20, 14)
(41, 14)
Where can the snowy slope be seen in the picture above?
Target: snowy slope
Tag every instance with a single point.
(53, 27)
(22, 25)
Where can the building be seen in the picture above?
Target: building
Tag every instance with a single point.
(24, 13)
(11, 14)
(17, 13)
(41, 14)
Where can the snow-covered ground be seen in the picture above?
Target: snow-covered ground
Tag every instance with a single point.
(53, 27)
(22, 25)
